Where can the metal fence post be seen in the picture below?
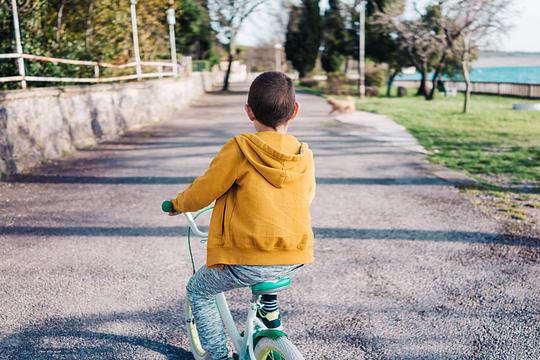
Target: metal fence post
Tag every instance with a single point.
(20, 59)
(277, 48)
(171, 20)
(135, 39)
(362, 49)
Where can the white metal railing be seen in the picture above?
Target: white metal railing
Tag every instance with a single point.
(531, 91)
(172, 66)
(184, 68)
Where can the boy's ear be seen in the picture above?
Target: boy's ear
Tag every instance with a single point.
(249, 112)
(295, 111)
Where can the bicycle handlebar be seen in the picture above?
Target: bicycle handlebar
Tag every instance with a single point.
(167, 206)
(194, 227)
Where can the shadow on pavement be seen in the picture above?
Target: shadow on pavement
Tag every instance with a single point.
(172, 180)
(101, 180)
(320, 233)
(186, 180)
(110, 146)
(77, 338)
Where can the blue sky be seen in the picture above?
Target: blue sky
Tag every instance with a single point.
(522, 37)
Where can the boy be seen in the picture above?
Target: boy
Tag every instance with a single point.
(260, 230)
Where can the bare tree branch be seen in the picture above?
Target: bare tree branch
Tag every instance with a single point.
(227, 19)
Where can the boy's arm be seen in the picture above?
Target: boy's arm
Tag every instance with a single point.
(219, 177)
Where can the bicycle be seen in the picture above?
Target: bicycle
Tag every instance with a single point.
(256, 342)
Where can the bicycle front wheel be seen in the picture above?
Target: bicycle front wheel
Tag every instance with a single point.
(278, 349)
(193, 335)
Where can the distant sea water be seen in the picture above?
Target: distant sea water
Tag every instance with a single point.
(503, 74)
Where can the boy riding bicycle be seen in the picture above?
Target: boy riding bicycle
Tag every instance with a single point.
(263, 184)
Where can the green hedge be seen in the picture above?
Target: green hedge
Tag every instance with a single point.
(201, 65)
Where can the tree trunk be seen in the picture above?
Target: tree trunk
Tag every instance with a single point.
(422, 90)
(198, 50)
(465, 69)
(89, 28)
(230, 58)
(431, 94)
(467, 97)
(391, 79)
(228, 73)
(466, 76)
(59, 22)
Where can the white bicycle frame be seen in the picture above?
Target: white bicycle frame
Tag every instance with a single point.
(242, 344)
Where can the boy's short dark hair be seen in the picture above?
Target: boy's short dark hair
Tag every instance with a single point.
(271, 98)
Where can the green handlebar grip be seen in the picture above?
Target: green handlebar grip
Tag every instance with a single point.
(167, 206)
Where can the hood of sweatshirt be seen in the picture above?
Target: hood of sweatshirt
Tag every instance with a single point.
(279, 158)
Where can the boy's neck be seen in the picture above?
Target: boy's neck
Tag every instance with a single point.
(260, 127)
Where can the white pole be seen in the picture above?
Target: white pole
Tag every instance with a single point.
(278, 56)
(135, 39)
(362, 51)
(171, 20)
(20, 59)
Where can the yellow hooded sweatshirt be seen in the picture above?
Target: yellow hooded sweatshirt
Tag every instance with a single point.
(263, 184)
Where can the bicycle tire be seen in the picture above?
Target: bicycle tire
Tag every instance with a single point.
(193, 335)
(269, 349)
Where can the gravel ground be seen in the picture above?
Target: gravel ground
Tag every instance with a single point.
(406, 267)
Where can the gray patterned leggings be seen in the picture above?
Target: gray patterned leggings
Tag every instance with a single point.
(206, 283)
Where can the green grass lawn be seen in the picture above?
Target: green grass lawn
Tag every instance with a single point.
(493, 142)
(498, 146)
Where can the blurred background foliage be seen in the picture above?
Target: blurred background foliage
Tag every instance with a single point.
(100, 30)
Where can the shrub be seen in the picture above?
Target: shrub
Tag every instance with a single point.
(375, 75)
(401, 91)
(309, 83)
(200, 65)
(336, 84)
(372, 91)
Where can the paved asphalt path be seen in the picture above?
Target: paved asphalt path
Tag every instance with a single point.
(406, 267)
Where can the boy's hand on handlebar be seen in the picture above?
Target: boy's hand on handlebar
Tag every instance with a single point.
(168, 207)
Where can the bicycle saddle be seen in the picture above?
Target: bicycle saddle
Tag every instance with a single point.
(271, 287)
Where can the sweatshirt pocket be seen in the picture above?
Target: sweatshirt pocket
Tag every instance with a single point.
(223, 219)
(227, 219)
(217, 222)
(289, 242)
(224, 209)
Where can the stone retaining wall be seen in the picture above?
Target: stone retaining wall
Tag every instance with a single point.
(47, 123)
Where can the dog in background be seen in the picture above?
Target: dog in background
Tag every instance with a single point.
(342, 106)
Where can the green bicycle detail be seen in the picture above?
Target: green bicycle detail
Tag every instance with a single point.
(256, 342)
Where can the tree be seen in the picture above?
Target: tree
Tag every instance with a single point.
(383, 45)
(446, 35)
(395, 57)
(99, 31)
(227, 19)
(194, 36)
(431, 19)
(303, 36)
(415, 37)
(466, 26)
(334, 37)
